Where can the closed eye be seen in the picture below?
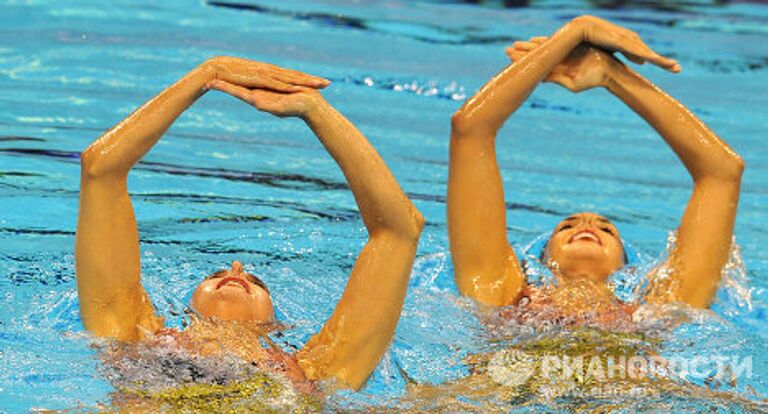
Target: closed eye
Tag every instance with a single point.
(251, 278)
(565, 227)
(608, 230)
(258, 282)
(217, 275)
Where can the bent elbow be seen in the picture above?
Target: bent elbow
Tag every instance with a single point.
(727, 169)
(414, 226)
(88, 163)
(94, 164)
(458, 120)
(733, 169)
(419, 222)
(738, 166)
(465, 125)
(461, 124)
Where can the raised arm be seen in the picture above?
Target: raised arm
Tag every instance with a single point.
(706, 230)
(485, 265)
(112, 299)
(705, 233)
(361, 327)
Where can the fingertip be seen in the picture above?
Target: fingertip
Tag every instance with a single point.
(666, 60)
(670, 65)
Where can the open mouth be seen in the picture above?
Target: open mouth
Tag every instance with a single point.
(227, 280)
(586, 235)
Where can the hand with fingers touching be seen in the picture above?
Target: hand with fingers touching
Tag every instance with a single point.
(591, 63)
(252, 74)
(279, 103)
(586, 67)
(614, 38)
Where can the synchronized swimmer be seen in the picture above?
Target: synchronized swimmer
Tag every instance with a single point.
(113, 302)
(583, 250)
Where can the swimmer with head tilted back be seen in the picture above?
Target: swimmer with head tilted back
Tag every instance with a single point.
(585, 248)
(113, 302)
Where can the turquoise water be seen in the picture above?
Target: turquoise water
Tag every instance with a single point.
(229, 183)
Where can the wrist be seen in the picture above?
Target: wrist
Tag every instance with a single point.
(208, 71)
(572, 32)
(314, 105)
(579, 27)
(617, 77)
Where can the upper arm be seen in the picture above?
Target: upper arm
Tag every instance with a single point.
(112, 299)
(703, 244)
(353, 340)
(485, 265)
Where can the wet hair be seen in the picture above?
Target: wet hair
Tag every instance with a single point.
(258, 282)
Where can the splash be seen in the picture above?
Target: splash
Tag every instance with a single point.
(733, 297)
(517, 340)
(211, 367)
(644, 273)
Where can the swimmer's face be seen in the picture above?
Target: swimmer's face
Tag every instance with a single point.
(585, 245)
(234, 295)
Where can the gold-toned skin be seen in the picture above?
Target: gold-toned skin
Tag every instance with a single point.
(233, 295)
(585, 246)
(113, 302)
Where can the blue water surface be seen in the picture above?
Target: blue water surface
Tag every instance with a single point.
(227, 182)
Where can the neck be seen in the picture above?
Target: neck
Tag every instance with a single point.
(243, 339)
(582, 293)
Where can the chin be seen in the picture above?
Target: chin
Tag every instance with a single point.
(224, 314)
(585, 275)
(592, 267)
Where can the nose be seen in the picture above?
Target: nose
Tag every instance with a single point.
(237, 268)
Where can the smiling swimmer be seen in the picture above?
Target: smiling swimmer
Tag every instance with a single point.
(585, 248)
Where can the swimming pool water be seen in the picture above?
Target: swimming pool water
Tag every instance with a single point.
(229, 183)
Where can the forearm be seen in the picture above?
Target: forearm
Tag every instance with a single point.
(704, 155)
(361, 327)
(115, 152)
(706, 229)
(486, 111)
(382, 203)
(353, 340)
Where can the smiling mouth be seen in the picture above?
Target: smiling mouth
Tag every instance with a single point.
(226, 281)
(586, 235)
